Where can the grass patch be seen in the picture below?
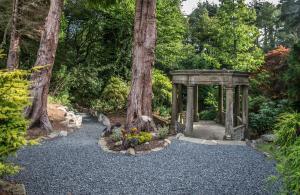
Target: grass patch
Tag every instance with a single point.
(269, 148)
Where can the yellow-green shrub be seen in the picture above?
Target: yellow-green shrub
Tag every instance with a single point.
(14, 97)
(142, 137)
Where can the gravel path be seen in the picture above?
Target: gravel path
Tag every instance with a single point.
(76, 165)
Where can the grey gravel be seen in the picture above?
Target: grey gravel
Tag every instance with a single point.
(75, 164)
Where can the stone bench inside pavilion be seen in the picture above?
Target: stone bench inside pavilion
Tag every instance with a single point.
(232, 119)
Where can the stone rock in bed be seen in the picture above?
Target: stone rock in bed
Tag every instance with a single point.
(268, 137)
(104, 120)
(131, 151)
(63, 133)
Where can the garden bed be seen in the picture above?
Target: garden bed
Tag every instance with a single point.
(148, 146)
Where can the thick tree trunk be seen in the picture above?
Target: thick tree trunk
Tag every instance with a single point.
(140, 97)
(14, 47)
(37, 112)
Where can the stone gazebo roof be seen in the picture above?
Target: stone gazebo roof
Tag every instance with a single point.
(234, 83)
(210, 77)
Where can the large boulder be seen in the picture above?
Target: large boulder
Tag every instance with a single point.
(104, 120)
(72, 120)
(268, 137)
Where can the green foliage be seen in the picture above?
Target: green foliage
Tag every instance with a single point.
(163, 132)
(163, 111)
(116, 135)
(256, 102)
(96, 45)
(289, 33)
(85, 85)
(228, 39)
(285, 129)
(267, 21)
(292, 76)
(208, 95)
(171, 29)
(162, 89)
(263, 117)
(14, 97)
(113, 97)
(208, 115)
(211, 100)
(134, 137)
(62, 98)
(288, 156)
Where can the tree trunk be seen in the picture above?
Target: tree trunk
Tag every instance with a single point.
(37, 112)
(140, 97)
(14, 47)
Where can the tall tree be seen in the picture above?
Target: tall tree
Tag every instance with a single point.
(14, 47)
(236, 35)
(267, 21)
(290, 17)
(140, 97)
(37, 112)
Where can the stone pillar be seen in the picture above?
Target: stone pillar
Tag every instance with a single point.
(189, 110)
(245, 110)
(174, 108)
(229, 113)
(236, 105)
(220, 105)
(180, 101)
(196, 106)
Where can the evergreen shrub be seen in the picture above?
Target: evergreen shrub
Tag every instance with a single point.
(14, 97)
(287, 131)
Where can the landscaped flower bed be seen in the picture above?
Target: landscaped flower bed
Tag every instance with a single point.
(134, 140)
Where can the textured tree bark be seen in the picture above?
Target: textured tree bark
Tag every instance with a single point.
(14, 47)
(140, 97)
(37, 112)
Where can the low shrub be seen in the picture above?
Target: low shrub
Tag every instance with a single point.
(142, 137)
(264, 119)
(14, 97)
(163, 132)
(116, 135)
(288, 153)
(135, 137)
(286, 129)
(84, 85)
(113, 97)
(62, 98)
(208, 114)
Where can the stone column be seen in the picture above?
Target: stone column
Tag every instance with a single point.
(229, 112)
(174, 108)
(179, 93)
(236, 105)
(220, 105)
(196, 106)
(189, 110)
(245, 110)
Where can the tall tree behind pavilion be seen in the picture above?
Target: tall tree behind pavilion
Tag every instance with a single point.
(140, 97)
(14, 47)
(37, 112)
